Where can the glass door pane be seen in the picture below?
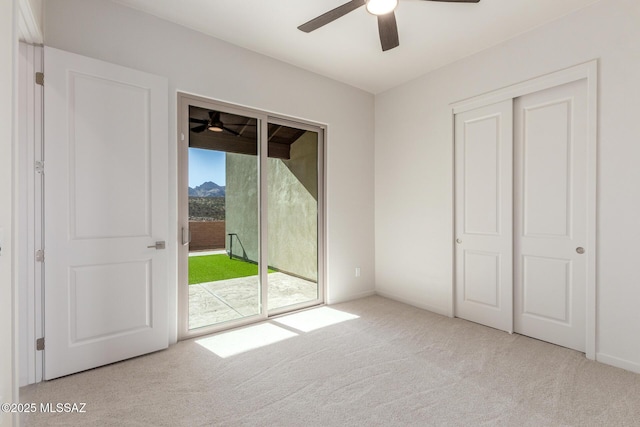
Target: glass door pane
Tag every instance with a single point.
(224, 284)
(293, 194)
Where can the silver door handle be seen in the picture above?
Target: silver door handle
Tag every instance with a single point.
(186, 236)
(158, 245)
(458, 241)
(580, 250)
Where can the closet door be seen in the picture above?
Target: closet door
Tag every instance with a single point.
(551, 227)
(484, 200)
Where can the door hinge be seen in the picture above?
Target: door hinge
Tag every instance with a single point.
(40, 344)
(39, 255)
(40, 78)
(182, 137)
(39, 167)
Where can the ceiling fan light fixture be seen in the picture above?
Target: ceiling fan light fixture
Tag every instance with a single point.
(215, 127)
(381, 7)
(215, 124)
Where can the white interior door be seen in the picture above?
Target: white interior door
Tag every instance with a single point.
(550, 265)
(106, 190)
(483, 187)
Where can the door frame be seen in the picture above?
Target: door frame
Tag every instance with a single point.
(588, 71)
(31, 220)
(184, 100)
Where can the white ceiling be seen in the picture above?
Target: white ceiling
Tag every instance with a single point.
(432, 34)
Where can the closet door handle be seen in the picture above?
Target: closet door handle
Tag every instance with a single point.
(580, 250)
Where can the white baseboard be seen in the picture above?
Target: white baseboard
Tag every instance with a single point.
(618, 362)
(431, 308)
(352, 297)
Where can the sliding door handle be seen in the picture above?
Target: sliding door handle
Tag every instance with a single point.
(186, 236)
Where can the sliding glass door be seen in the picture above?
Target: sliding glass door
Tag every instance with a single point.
(293, 206)
(223, 217)
(251, 212)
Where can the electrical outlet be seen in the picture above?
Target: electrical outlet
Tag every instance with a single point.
(357, 271)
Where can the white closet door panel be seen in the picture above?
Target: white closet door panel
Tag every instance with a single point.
(481, 152)
(551, 215)
(546, 288)
(546, 170)
(483, 156)
(481, 277)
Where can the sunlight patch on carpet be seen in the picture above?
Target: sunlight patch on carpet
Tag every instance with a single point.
(316, 318)
(242, 340)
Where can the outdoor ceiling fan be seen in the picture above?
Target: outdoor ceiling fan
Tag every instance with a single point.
(383, 9)
(214, 124)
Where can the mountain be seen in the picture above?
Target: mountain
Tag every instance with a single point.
(207, 189)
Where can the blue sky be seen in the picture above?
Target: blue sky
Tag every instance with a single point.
(206, 165)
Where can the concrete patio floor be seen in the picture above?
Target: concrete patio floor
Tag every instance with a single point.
(225, 300)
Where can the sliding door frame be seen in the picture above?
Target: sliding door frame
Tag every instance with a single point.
(184, 100)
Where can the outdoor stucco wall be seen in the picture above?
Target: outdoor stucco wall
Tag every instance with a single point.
(241, 204)
(292, 208)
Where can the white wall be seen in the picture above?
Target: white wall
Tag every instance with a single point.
(414, 165)
(8, 49)
(36, 10)
(209, 67)
(30, 21)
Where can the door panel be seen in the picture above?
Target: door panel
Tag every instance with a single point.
(481, 152)
(99, 134)
(293, 206)
(551, 215)
(546, 170)
(483, 156)
(481, 278)
(546, 288)
(223, 190)
(118, 302)
(106, 151)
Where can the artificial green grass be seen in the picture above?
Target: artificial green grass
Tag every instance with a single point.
(210, 268)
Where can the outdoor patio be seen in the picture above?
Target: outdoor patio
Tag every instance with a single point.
(224, 300)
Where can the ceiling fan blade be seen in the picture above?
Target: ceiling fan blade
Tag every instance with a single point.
(199, 129)
(388, 29)
(458, 1)
(231, 131)
(201, 121)
(331, 16)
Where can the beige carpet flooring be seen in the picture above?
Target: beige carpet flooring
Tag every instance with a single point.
(393, 365)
